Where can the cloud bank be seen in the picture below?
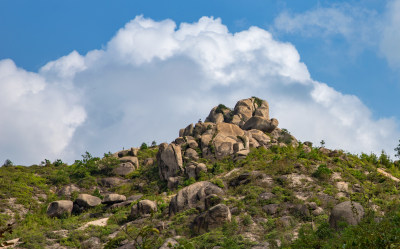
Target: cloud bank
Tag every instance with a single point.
(153, 78)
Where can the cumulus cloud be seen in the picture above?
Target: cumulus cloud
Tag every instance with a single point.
(153, 78)
(38, 119)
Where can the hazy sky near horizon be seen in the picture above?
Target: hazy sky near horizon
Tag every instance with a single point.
(100, 76)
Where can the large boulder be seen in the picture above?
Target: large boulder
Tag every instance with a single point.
(348, 212)
(261, 123)
(191, 154)
(260, 137)
(169, 160)
(227, 136)
(143, 208)
(244, 109)
(214, 217)
(87, 201)
(111, 182)
(193, 196)
(110, 199)
(68, 190)
(218, 114)
(193, 169)
(60, 208)
(128, 164)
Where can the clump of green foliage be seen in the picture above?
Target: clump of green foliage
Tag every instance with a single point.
(221, 108)
(322, 172)
(257, 101)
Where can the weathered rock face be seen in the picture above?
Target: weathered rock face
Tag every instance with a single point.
(218, 114)
(191, 154)
(60, 208)
(261, 123)
(214, 217)
(144, 208)
(244, 109)
(68, 190)
(193, 169)
(169, 159)
(110, 181)
(349, 212)
(226, 136)
(261, 138)
(87, 201)
(113, 198)
(193, 196)
(124, 169)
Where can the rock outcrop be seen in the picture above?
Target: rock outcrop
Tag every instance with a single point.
(60, 208)
(143, 208)
(68, 190)
(127, 165)
(193, 196)
(214, 217)
(348, 211)
(170, 162)
(226, 133)
(87, 201)
(110, 199)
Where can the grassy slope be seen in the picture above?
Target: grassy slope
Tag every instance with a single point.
(28, 184)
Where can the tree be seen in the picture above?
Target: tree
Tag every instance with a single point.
(8, 163)
(397, 149)
(143, 146)
(322, 143)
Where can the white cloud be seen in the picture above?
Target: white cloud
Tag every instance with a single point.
(390, 43)
(38, 119)
(357, 25)
(154, 78)
(360, 27)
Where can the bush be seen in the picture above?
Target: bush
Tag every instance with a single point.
(221, 108)
(257, 101)
(143, 146)
(218, 182)
(323, 172)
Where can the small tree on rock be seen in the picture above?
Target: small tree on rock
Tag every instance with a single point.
(397, 149)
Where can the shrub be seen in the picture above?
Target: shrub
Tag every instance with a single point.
(143, 146)
(323, 172)
(257, 101)
(221, 108)
(218, 182)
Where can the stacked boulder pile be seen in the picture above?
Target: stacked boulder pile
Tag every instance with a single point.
(224, 133)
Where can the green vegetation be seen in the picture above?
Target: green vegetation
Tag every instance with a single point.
(221, 109)
(257, 101)
(288, 177)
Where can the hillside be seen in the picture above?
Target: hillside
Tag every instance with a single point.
(235, 180)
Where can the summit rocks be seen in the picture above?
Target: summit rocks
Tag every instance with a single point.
(225, 133)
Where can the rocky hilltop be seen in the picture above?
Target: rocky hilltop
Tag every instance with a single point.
(235, 180)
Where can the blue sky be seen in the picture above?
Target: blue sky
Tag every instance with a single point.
(350, 46)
